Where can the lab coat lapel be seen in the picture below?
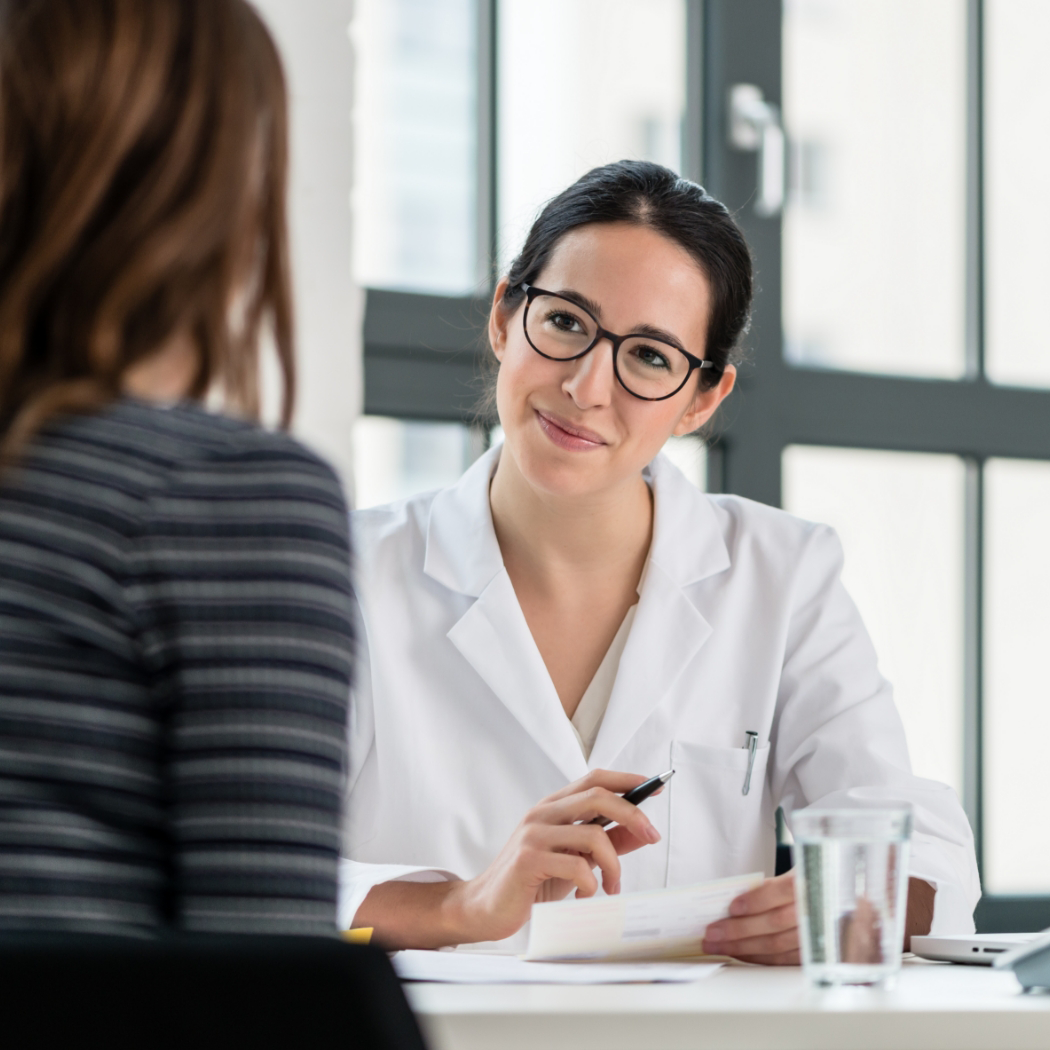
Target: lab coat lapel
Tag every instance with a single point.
(495, 639)
(667, 633)
(668, 630)
(492, 635)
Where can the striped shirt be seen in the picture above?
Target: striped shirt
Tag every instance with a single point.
(175, 656)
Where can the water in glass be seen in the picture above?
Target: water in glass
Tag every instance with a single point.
(851, 884)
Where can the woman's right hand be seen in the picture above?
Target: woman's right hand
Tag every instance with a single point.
(551, 853)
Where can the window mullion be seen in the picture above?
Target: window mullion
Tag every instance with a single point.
(693, 131)
(973, 650)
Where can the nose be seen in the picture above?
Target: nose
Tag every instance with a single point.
(591, 381)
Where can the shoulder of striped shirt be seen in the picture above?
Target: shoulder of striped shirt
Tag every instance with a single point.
(184, 433)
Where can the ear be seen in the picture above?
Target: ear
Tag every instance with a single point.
(499, 320)
(705, 403)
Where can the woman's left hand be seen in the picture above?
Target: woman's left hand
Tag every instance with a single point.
(762, 926)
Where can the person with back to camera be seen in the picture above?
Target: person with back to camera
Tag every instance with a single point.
(574, 616)
(175, 603)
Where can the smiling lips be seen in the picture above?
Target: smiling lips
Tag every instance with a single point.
(564, 435)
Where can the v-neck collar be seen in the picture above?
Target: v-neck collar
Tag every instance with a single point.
(463, 554)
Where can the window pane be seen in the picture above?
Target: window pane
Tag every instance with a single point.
(689, 455)
(874, 229)
(396, 458)
(582, 83)
(415, 138)
(900, 516)
(1017, 207)
(1017, 693)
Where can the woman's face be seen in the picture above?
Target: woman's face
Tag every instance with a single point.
(570, 426)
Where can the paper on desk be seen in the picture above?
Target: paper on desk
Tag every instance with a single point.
(658, 924)
(476, 968)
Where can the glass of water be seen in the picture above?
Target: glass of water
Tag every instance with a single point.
(851, 885)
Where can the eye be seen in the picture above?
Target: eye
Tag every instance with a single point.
(651, 357)
(564, 321)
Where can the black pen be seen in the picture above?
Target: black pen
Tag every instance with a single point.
(636, 796)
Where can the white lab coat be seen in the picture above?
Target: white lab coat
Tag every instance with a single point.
(742, 624)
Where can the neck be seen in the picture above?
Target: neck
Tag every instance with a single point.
(166, 375)
(555, 539)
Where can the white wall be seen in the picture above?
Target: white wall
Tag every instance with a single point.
(315, 44)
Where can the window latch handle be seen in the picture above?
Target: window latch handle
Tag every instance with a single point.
(754, 126)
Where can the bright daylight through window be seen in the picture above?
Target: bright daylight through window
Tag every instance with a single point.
(899, 516)
(415, 156)
(1017, 206)
(607, 83)
(876, 124)
(1017, 697)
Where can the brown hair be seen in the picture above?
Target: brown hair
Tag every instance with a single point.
(143, 165)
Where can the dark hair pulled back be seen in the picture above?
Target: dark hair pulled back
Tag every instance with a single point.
(647, 194)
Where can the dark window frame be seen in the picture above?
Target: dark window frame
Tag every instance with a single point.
(425, 356)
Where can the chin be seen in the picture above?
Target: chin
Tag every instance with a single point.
(558, 472)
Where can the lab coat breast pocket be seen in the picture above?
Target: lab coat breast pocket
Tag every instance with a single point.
(715, 829)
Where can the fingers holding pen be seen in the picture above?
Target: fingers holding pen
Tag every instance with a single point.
(616, 783)
(585, 842)
(593, 802)
(625, 841)
(553, 851)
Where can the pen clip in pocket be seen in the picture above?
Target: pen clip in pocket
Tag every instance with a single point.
(751, 746)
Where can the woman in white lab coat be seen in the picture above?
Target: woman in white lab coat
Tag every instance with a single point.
(574, 616)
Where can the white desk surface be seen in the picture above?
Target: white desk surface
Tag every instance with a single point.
(932, 1007)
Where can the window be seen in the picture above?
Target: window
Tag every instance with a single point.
(949, 408)
(1017, 211)
(415, 157)
(397, 458)
(581, 83)
(875, 110)
(1017, 587)
(897, 354)
(901, 519)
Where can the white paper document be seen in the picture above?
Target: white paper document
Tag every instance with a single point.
(477, 968)
(655, 925)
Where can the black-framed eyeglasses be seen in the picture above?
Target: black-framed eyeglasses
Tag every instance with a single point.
(648, 368)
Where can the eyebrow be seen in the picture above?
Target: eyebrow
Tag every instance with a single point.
(658, 333)
(594, 307)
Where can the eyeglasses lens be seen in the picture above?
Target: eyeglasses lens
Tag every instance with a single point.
(561, 330)
(650, 368)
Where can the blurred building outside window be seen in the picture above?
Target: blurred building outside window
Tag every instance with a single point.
(415, 156)
(582, 83)
(1016, 203)
(1017, 690)
(900, 517)
(398, 458)
(874, 231)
